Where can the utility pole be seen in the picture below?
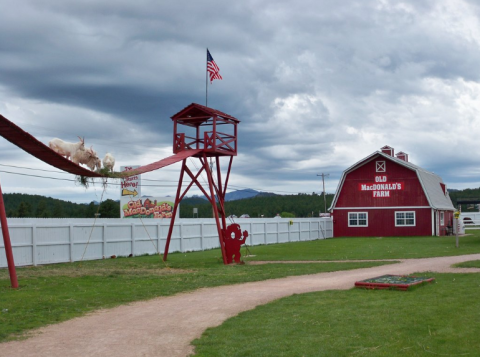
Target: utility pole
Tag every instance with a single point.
(324, 198)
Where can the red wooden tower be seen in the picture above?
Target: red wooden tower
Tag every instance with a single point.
(202, 133)
(207, 134)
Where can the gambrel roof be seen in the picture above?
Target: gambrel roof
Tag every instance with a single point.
(430, 182)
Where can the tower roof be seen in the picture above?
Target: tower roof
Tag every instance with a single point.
(197, 114)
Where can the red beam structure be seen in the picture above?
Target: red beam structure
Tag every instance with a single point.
(201, 132)
(201, 140)
(7, 244)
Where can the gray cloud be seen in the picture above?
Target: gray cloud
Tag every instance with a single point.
(317, 85)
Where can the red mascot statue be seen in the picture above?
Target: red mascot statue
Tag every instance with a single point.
(232, 236)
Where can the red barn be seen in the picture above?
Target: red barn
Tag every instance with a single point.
(384, 195)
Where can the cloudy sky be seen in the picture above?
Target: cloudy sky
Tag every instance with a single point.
(317, 86)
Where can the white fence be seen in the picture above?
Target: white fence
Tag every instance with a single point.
(470, 220)
(44, 241)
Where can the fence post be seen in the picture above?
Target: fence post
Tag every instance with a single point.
(159, 232)
(133, 239)
(300, 232)
(181, 237)
(278, 230)
(70, 238)
(34, 244)
(250, 235)
(265, 233)
(201, 236)
(104, 245)
(289, 225)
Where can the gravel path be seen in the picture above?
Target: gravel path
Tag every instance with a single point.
(165, 326)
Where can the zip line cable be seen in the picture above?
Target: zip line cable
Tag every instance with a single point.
(72, 180)
(232, 187)
(67, 173)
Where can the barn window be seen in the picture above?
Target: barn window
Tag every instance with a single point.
(404, 219)
(442, 218)
(380, 166)
(358, 219)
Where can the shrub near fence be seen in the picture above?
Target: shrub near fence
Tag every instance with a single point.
(38, 241)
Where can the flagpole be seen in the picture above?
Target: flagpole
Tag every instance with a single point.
(206, 80)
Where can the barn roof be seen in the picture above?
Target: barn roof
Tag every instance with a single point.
(430, 181)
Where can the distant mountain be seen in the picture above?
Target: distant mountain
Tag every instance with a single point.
(241, 194)
(230, 196)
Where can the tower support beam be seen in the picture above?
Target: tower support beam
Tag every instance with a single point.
(7, 243)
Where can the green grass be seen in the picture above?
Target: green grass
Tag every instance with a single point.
(470, 264)
(370, 248)
(53, 293)
(438, 319)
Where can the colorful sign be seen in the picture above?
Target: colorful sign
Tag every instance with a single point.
(381, 187)
(147, 207)
(130, 186)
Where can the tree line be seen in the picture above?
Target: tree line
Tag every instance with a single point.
(266, 205)
(467, 194)
(19, 205)
(300, 205)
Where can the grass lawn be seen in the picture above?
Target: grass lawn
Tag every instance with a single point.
(438, 319)
(54, 293)
(370, 248)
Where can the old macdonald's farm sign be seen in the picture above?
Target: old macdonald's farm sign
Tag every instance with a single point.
(381, 187)
(147, 207)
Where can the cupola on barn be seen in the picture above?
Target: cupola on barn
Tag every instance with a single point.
(386, 195)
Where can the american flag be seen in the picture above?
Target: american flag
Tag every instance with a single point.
(212, 68)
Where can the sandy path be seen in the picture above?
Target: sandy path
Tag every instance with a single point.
(165, 326)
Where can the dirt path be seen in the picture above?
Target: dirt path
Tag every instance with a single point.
(165, 326)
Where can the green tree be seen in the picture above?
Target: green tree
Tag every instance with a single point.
(58, 210)
(24, 210)
(42, 210)
(109, 209)
(91, 210)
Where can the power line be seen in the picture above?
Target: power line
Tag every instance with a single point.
(324, 198)
(72, 180)
(29, 168)
(231, 187)
(67, 173)
(36, 176)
